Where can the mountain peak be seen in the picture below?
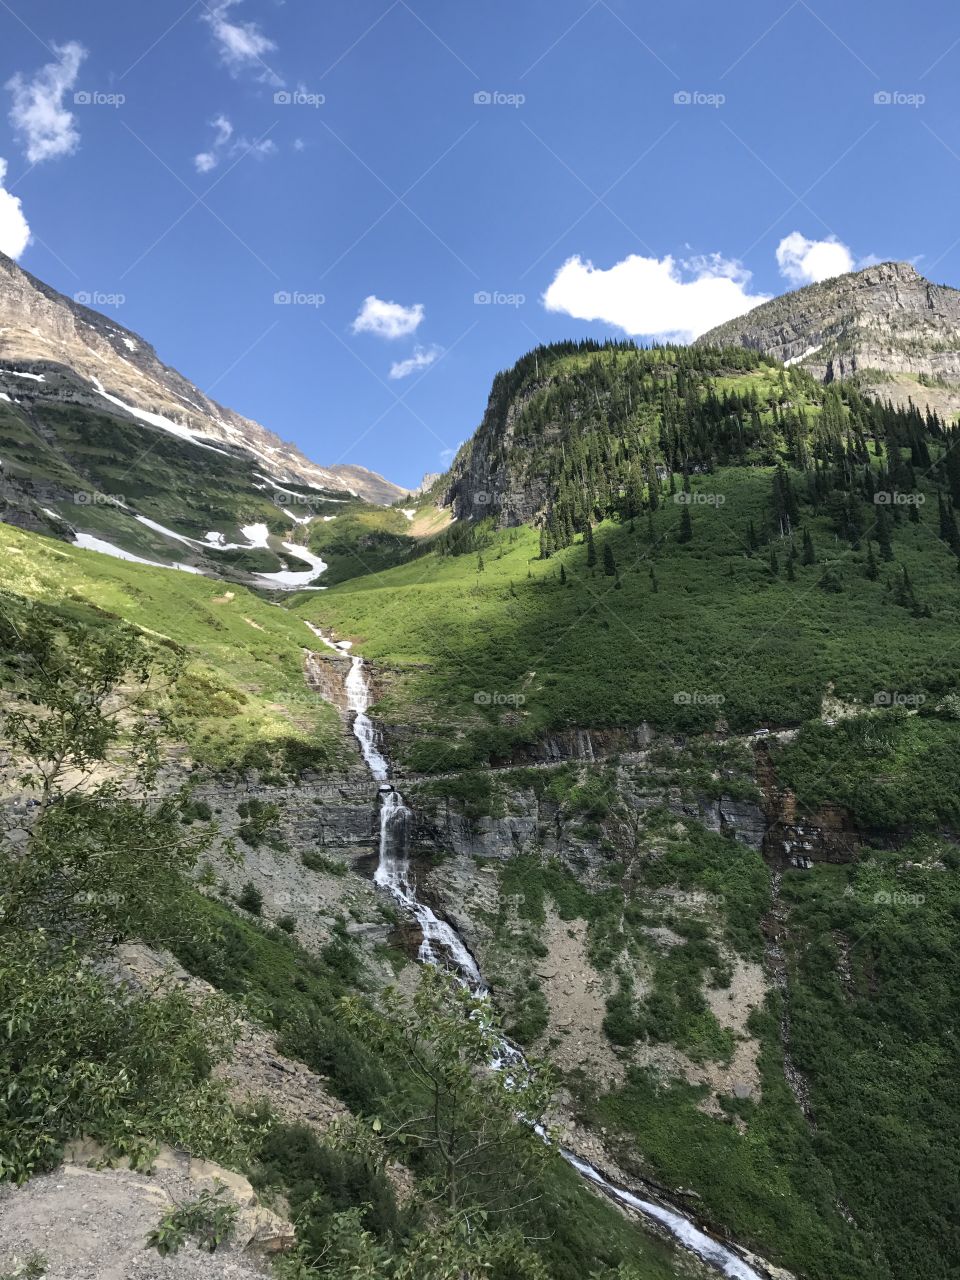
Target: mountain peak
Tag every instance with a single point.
(879, 272)
(886, 325)
(78, 355)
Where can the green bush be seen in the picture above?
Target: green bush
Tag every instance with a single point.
(620, 1024)
(209, 1219)
(314, 860)
(251, 899)
(81, 1057)
(319, 1181)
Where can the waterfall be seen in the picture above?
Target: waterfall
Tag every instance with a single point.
(441, 943)
(358, 699)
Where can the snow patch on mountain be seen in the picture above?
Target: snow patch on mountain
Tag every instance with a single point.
(810, 351)
(88, 542)
(167, 533)
(290, 579)
(296, 519)
(155, 419)
(256, 535)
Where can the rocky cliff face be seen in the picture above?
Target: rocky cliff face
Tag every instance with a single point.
(533, 825)
(484, 478)
(886, 320)
(52, 347)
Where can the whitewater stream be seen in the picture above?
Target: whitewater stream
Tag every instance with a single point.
(442, 945)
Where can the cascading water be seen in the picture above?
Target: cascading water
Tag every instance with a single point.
(358, 699)
(441, 943)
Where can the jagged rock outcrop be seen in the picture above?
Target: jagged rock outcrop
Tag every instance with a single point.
(527, 821)
(885, 320)
(483, 479)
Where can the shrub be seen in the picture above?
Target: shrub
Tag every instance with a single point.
(83, 1057)
(209, 1219)
(251, 899)
(314, 860)
(319, 1181)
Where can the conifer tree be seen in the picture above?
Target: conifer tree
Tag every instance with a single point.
(951, 467)
(609, 564)
(944, 518)
(953, 534)
(563, 575)
(883, 535)
(872, 569)
(785, 506)
(653, 580)
(686, 526)
(903, 593)
(591, 547)
(808, 556)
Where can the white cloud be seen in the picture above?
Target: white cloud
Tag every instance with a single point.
(654, 297)
(14, 231)
(225, 144)
(387, 319)
(803, 261)
(224, 130)
(45, 126)
(422, 358)
(241, 45)
(265, 147)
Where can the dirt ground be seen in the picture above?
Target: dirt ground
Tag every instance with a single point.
(577, 1002)
(92, 1224)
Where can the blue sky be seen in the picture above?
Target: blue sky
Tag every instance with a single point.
(637, 166)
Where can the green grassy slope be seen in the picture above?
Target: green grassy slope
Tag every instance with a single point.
(357, 539)
(243, 690)
(738, 565)
(694, 605)
(716, 634)
(243, 700)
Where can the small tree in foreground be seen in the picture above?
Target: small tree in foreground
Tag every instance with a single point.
(478, 1157)
(86, 862)
(92, 857)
